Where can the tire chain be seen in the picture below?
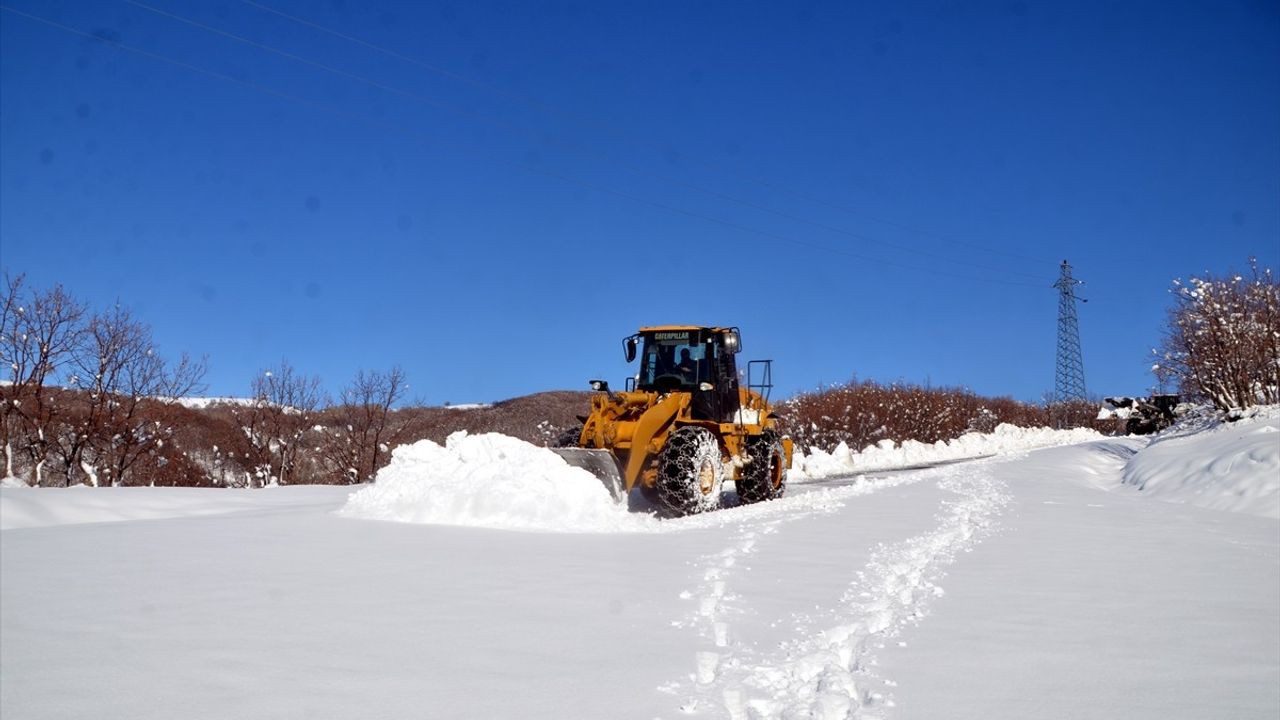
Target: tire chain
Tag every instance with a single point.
(755, 484)
(678, 466)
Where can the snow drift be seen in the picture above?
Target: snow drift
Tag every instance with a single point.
(1225, 466)
(28, 507)
(489, 480)
(888, 455)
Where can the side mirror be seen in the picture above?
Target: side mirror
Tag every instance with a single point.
(732, 341)
(629, 347)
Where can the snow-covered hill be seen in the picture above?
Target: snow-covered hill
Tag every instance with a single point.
(1030, 584)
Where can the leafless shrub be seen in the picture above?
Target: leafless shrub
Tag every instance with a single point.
(99, 424)
(864, 413)
(122, 372)
(360, 431)
(1222, 343)
(39, 332)
(284, 406)
(1075, 413)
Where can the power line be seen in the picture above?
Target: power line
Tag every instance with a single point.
(640, 172)
(418, 135)
(405, 58)
(578, 119)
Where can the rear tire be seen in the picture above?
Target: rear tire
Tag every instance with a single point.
(763, 476)
(690, 473)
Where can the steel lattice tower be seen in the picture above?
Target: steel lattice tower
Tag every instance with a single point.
(1069, 374)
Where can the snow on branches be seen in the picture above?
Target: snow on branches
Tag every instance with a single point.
(1222, 343)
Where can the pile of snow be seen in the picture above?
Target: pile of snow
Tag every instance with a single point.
(1226, 466)
(490, 480)
(888, 455)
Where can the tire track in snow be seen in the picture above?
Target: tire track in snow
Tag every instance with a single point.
(826, 673)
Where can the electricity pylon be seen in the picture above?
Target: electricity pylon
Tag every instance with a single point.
(1069, 374)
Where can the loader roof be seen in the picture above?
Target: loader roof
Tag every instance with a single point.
(668, 328)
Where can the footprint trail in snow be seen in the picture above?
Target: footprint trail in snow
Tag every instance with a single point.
(714, 606)
(827, 672)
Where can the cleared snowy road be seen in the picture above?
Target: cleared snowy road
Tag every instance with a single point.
(1001, 588)
(1093, 604)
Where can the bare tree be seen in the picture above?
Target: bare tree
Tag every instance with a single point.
(284, 406)
(10, 319)
(39, 332)
(119, 371)
(1223, 339)
(366, 424)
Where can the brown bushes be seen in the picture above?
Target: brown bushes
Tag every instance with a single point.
(864, 413)
(349, 443)
(536, 418)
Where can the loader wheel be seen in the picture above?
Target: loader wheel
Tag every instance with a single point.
(569, 437)
(690, 472)
(763, 476)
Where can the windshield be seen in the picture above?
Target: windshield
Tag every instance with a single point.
(673, 359)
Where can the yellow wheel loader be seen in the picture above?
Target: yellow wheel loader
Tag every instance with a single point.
(684, 424)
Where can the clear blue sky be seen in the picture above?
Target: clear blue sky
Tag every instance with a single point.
(493, 194)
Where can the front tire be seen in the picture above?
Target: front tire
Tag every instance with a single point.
(568, 438)
(690, 474)
(763, 476)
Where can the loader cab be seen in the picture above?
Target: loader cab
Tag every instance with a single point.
(695, 360)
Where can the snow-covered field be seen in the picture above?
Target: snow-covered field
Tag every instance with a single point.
(1031, 584)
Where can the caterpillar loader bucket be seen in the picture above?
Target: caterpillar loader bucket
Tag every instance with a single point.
(600, 463)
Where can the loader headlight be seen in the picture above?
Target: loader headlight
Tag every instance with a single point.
(732, 341)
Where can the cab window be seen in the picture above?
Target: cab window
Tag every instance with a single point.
(673, 359)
